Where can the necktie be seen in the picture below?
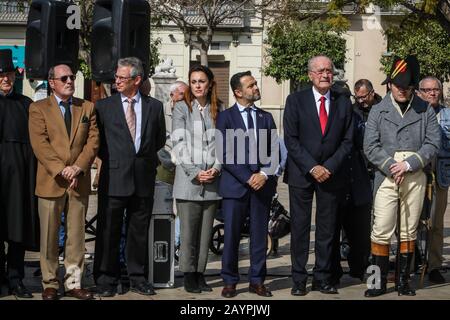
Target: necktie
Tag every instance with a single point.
(67, 116)
(250, 123)
(323, 116)
(252, 145)
(131, 118)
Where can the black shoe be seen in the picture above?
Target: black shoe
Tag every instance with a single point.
(299, 289)
(106, 292)
(436, 277)
(191, 282)
(370, 293)
(324, 287)
(202, 285)
(143, 288)
(20, 291)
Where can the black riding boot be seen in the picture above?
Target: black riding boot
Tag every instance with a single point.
(405, 268)
(383, 263)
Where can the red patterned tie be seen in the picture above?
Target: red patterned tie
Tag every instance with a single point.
(323, 114)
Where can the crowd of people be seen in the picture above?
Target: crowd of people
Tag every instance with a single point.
(367, 164)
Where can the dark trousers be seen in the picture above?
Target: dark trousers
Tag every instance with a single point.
(354, 220)
(234, 213)
(14, 260)
(300, 200)
(109, 230)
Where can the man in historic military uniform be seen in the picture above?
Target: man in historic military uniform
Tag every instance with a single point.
(19, 223)
(402, 137)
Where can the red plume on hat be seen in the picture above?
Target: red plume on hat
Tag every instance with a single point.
(404, 72)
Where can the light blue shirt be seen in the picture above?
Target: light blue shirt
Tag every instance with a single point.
(63, 110)
(138, 112)
(244, 116)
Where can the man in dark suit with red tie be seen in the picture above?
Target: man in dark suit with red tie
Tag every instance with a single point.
(247, 183)
(318, 135)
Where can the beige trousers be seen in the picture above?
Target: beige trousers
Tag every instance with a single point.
(437, 229)
(50, 209)
(412, 193)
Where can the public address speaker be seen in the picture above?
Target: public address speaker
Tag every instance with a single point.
(121, 28)
(48, 39)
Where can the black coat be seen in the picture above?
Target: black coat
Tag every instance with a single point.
(306, 145)
(19, 219)
(356, 166)
(125, 172)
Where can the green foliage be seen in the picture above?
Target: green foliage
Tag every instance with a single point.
(291, 45)
(85, 69)
(427, 40)
(154, 54)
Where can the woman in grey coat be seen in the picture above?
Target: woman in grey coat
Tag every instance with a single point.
(195, 187)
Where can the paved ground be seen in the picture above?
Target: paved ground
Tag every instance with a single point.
(278, 279)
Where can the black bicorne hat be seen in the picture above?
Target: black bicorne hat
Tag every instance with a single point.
(404, 72)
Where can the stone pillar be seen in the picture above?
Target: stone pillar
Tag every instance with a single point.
(162, 85)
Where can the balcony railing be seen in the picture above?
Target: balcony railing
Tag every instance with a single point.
(13, 13)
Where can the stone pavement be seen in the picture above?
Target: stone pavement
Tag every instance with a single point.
(278, 279)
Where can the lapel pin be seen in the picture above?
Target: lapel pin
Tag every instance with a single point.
(260, 115)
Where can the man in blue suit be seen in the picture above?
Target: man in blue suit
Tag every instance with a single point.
(247, 184)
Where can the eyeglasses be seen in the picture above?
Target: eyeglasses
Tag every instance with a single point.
(65, 78)
(364, 97)
(323, 71)
(121, 79)
(429, 90)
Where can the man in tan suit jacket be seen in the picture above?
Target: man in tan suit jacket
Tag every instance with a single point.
(65, 140)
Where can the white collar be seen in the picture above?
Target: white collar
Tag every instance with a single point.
(318, 95)
(136, 98)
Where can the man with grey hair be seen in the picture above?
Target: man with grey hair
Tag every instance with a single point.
(132, 130)
(166, 170)
(318, 133)
(430, 90)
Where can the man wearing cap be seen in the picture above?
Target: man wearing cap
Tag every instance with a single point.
(19, 223)
(402, 137)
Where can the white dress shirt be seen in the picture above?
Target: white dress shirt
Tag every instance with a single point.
(317, 97)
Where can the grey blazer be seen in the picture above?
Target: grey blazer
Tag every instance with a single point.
(387, 132)
(193, 138)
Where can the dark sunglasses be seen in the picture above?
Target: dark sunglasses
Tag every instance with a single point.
(64, 78)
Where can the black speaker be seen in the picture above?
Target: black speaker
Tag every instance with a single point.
(48, 40)
(121, 28)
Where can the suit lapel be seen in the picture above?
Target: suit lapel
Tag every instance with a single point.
(331, 114)
(237, 118)
(259, 121)
(120, 114)
(145, 109)
(77, 110)
(57, 115)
